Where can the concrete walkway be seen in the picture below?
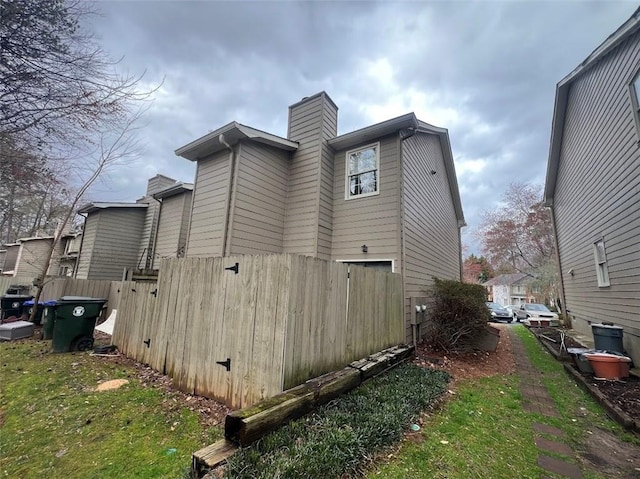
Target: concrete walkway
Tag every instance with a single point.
(536, 399)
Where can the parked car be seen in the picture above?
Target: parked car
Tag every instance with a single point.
(498, 313)
(513, 309)
(536, 310)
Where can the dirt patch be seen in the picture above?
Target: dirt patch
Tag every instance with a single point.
(210, 412)
(471, 365)
(610, 456)
(113, 384)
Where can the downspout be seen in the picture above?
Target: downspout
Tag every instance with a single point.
(403, 135)
(225, 230)
(563, 309)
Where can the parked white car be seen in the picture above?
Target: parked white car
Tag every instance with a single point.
(534, 311)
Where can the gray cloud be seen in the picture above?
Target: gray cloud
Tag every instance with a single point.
(485, 70)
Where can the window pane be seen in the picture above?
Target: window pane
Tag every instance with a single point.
(636, 87)
(353, 185)
(368, 183)
(363, 160)
(600, 252)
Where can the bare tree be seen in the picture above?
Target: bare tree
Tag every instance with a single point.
(56, 83)
(113, 148)
(518, 237)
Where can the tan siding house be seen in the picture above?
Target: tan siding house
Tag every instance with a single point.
(593, 186)
(366, 197)
(173, 222)
(111, 239)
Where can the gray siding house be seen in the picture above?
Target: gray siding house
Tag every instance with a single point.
(384, 196)
(28, 256)
(173, 222)
(593, 186)
(119, 236)
(110, 240)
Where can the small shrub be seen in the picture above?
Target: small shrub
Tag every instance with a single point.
(458, 315)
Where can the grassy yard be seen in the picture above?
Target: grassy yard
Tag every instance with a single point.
(55, 424)
(483, 431)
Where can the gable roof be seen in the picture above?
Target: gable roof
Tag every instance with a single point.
(562, 93)
(173, 190)
(506, 279)
(101, 205)
(411, 124)
(230, 134)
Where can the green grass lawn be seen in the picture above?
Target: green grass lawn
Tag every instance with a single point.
(482, 432)
(56, 425)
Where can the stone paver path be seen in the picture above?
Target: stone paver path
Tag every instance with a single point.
(536, 399)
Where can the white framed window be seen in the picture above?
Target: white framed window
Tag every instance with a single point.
(362, 172)
(600, 256)
(634, 91)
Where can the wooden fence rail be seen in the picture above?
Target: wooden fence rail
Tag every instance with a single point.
(244, 328)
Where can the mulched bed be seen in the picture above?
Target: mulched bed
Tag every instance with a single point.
(623, 393)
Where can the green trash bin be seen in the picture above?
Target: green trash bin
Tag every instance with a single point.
(74, 321)
(48, 318)
(11, 305)
(27, 309)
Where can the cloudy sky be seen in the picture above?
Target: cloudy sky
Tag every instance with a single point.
(485, 70)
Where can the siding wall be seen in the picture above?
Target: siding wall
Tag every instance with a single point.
(597, 196)
(210, 197)
(149, 229)
(11, 257)
(32, 257)
(372, 220)
(259, 200)
(173, 222)
(311, 123)
(89, 234)
(430, 233)
(117, 242)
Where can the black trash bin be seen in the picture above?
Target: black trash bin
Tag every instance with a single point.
(11, 305)
(74, 322)
(608, 337)
(48, 318)
(27, 309)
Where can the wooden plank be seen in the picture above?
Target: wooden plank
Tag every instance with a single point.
(212, 456)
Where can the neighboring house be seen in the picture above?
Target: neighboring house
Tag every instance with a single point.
(118, 236)
(28, 256)
(593, 186)
(384, 196)
(510, 289)
(70, 250)
(173, 222)
(111, 239)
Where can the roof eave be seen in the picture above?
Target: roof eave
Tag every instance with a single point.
(562, 94)
(173, 190)
(373, 132)
(210, 143)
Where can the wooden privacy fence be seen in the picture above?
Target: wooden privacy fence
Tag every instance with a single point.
(243, 328)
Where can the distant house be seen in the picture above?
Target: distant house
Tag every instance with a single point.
(507, 289)
(118, 236)
(384, 196)
(173, 222)
(593, 185)
(70, 248)
(28, 256)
